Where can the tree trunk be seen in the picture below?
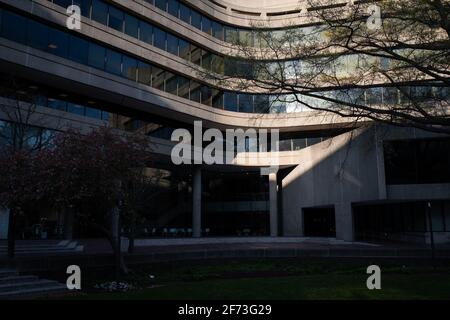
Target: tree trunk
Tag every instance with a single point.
(68, 223)
(119, 263)
(131, 234)
(111, 234)
(11, 233)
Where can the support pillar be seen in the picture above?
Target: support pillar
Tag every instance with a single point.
(344, 221)
(68, 223)
(273, 204)
(197, 203)
(4, 223)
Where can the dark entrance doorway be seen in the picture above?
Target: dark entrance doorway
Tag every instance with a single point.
(319, 222)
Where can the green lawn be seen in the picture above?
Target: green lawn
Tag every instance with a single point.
(279, 279)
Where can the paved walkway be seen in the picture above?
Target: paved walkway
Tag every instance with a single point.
(243, 240)
(92, 246)
(290, 245)
(97, 252)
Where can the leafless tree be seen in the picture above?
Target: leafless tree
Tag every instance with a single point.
(20, 136)
(345, 63)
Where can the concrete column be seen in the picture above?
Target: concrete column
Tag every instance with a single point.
(273, 204)
(197, 203)
(379, 150)
(344, 221)
(68, 223)
(4, 222)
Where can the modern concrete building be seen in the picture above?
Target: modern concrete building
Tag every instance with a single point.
(137, 64)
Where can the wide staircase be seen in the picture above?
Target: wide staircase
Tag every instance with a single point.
(46, 247)
(15, 286)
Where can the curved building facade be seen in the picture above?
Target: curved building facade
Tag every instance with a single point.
(139, 65)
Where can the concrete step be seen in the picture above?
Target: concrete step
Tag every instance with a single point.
(18, 286)
(32, 292)
(17, 279)
(49, 252)
(40, 249)
(59, 245)
(7, 273)
(34, 245)
(62, 247)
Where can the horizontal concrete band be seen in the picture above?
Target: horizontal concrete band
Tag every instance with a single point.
(272, 13)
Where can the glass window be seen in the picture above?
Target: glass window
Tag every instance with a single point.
(158, 78)
(40, 100)
(37, 35)
(113, 62)
(230, 66)
(159, 38)
(185, 13)
(78, 50)
(183, 87)
(57, 104)
(93, 113)
(171, 83)
(63, 3)
(85, 6)
(285, 145)
(217, 64)
(75, 108)
(357, 96)
(421, 93)
(217, 30)
(245, 103)
(131, 26)
(262, 39)
(115, 19)
(100, 11)
(196, 19)
(206, 25)
(173, 7)
(217, 99)
(262, 103)
(146, 33)
(245, 37)
(206, 59)
(105, 115)
(299, 143)
(14, 27)
(313, 140)
(97, 56)
(278, 104)
(161, 4)
(373, 96)
(230, 101)
(206, 95)
(405, 94)
(231, 34)
(144, 73)
(58, 43)
(172, 44)
(390, 95)
(184, 49)
(129, 68)
(195, 91)
(244, 68)
(196, 55)
(400, 162)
